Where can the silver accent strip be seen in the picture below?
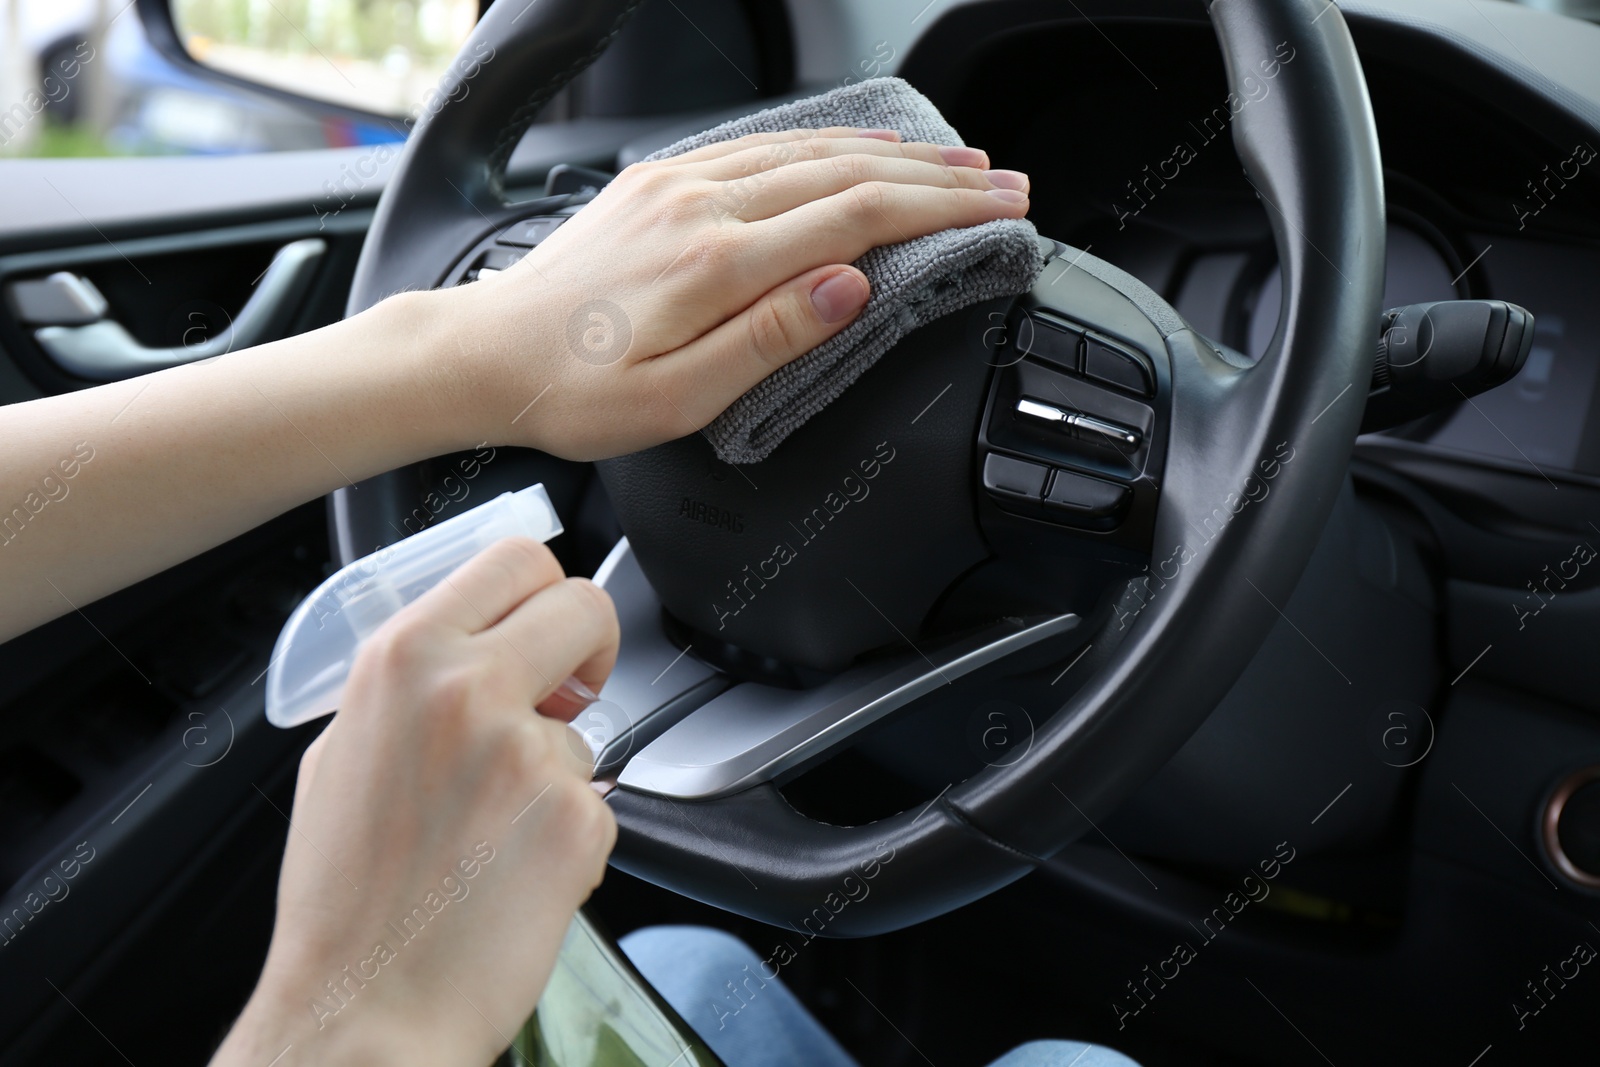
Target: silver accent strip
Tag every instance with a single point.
(754, 733)
(1087, 426)
(651, 671)
(1039, 410)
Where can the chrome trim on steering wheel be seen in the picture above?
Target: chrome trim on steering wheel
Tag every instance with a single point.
(755, 733)
(654, 682)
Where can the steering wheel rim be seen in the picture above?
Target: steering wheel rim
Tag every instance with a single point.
(1160, 661)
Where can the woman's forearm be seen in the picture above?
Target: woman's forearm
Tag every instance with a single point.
(711, 270)
(106, 486)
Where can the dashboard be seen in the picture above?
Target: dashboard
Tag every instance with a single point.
(1493, 191)
(1543, 417)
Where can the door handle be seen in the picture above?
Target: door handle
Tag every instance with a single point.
(103, 351)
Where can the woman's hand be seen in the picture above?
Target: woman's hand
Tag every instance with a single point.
(688, 280)
(443, 832)
(682, 285)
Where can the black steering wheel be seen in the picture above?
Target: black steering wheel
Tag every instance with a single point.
(1056, 497)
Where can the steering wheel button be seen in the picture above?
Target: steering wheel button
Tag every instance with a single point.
(1086, 496)
(498, 259)
(1016, 477)
(1049, 340)
(530, 232)
(1105, 363)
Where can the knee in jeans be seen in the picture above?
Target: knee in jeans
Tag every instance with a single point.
(699, 969)
(694, 948)
(1062, 1054)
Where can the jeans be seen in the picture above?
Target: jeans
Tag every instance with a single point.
(760, 1023)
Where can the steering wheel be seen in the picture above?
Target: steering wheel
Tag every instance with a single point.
(1071, 498)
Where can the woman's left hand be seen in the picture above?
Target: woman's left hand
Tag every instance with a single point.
(690, 279)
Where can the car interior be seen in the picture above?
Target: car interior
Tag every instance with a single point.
(1179, 699)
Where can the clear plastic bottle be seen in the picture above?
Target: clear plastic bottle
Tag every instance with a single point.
(313, 655)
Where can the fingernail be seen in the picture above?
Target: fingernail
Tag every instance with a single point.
(961, 156)
(573, 689)
(880, 135)
(1007, 179)
(838, 297)
(1010, 196)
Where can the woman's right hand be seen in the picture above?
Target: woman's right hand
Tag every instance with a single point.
(444, 831)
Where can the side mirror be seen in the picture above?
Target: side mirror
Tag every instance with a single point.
(373, 57)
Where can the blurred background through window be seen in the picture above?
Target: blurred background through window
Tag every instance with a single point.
(84, 78)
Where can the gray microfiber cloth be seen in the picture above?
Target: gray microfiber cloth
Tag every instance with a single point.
(913, 282)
